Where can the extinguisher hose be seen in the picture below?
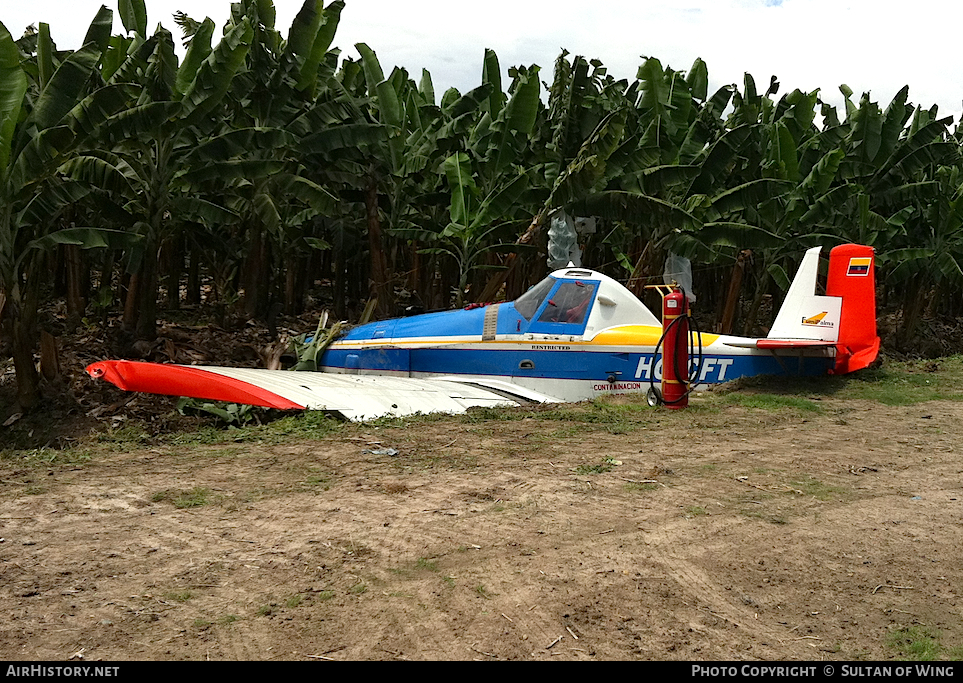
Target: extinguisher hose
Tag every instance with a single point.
(681, 372)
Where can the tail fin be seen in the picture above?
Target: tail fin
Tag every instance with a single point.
(852, 278)
(805, 316)
(845, 317)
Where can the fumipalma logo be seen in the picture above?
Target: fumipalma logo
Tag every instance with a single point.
(817, 320)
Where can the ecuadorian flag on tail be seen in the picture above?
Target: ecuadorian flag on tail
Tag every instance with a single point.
(859, 266)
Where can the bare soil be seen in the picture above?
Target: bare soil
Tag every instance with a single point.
(718, 533)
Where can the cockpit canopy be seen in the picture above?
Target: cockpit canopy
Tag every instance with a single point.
(580, 302)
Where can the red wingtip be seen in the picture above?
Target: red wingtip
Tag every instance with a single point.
(183, 380)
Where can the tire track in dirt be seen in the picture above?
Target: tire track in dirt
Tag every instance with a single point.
(707, 596)
(440, 540)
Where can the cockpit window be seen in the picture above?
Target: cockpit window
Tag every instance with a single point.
(569, 304)
(528, 303)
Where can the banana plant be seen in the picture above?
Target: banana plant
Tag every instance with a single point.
(487, 182)
(46, 115)
(474, 219)
(276, 96)
(139, 157)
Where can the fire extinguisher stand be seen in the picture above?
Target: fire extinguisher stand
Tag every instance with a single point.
(674, 343)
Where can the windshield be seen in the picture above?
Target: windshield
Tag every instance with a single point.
(570, 303)
(528, 303)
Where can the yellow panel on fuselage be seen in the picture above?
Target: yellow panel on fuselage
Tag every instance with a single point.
(637, 335)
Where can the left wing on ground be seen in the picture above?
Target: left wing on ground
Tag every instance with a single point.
(354, 397)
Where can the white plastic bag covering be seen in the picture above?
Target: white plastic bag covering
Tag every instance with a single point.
(679, 270)
(563, 247)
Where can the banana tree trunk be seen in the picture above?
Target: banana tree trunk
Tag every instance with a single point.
(18, 317)
(256, 278)
(78, 281)
(28, 379)
(146, 327)
(912, 307)
(194, 277)
(130, 303)
(732, 298)
(762, 284)
(173, 265)
(379, 266)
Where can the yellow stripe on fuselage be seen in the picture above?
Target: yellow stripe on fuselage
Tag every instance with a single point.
(638, 335)
(626, 335)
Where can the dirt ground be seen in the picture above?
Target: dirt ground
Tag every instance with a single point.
(724, 532)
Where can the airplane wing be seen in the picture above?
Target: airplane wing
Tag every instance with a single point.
(354, 397)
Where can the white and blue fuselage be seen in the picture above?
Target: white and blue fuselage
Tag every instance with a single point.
(576, 335)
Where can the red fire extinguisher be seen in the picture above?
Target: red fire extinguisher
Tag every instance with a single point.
(675, 349)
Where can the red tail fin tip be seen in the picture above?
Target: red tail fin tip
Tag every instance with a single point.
(852, 278)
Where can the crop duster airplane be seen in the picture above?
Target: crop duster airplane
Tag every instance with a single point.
(576, 335)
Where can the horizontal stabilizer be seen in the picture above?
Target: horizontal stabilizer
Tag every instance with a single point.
(354, 397)
(780, 343)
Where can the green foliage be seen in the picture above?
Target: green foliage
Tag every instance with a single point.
(232, 414)
(916, 643)
(307, 348)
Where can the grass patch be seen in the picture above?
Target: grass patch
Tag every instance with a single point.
(227, 452)
(695, 511)
(765, 517)
(493, 413)
(179, 596)
(775, 403)
(633, 486)
(294, 601)
(566, 432)
(325, 595)
(908, 383)
(192, 498)
(917, 643)
(46, 457)
(602, 413)
(389, 421)
(426, 564)
(819, 490)
(483, 592)
(125, 436)
(227, 619)
(432, 460)
(318, 481)
(358, 589)
(311, 425)
(955, 654)
(606, 465)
